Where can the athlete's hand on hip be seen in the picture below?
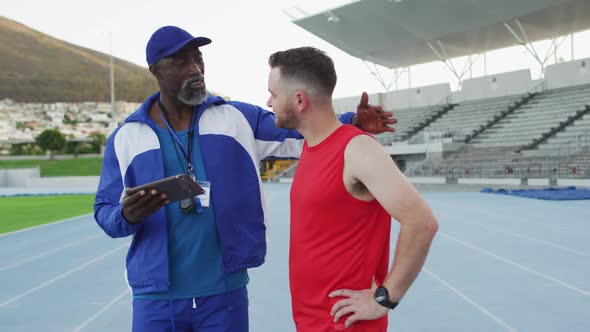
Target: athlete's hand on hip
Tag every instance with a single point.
(373, 119)
(142, 204)
(360, 303)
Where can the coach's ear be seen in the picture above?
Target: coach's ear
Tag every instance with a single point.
(155, 70)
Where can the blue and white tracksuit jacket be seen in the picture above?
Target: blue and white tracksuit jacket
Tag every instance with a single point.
(234, 138)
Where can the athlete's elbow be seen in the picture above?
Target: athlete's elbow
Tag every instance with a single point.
(431, 226)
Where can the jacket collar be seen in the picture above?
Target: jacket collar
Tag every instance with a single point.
(142, 114)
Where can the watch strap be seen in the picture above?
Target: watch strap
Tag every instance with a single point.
(382, 297)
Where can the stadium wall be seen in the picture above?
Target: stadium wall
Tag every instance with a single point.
(417, 97)
(63, 181)
(497, 85)
(31, 178)
(18, 177)
(349, 104)
(566, 74)
(518, 82)
(401, 99)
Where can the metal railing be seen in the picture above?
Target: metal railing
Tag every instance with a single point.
(579, 143)
(426, 116)
(574, 166)
(437, 135)
(523, 169)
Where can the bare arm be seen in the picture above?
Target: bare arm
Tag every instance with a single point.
(365, 161)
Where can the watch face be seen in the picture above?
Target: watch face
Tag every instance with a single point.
(380, 295)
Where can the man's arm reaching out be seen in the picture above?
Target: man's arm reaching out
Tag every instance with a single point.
(366, 161)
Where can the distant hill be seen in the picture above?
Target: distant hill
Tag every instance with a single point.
(35, 67)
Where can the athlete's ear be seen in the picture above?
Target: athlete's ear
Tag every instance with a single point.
(301, 100)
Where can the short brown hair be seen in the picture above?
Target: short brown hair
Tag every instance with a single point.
(307, 65)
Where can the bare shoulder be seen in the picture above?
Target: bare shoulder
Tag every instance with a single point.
(366, 163)
(356, 163)
(363, 150)
(360, 143)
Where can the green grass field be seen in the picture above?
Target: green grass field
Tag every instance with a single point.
(23, 212)
(66, 167)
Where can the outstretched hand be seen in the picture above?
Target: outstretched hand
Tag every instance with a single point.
(373, 119)
(359, 303)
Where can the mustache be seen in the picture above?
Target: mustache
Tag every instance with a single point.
(193, 79)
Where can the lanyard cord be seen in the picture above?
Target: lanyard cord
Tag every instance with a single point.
(175, 140)
(177, 154)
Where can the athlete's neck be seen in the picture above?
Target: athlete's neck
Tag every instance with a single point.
(319, 125)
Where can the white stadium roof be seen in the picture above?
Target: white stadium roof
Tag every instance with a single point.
(400, 33)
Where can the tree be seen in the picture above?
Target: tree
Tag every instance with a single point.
(98, 140)
(51, 140)
(17, 149)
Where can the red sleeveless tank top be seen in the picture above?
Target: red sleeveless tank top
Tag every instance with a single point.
(336, 240)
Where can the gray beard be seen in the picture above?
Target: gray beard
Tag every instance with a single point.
(191, 97)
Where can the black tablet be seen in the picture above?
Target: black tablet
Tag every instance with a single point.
(177, 187)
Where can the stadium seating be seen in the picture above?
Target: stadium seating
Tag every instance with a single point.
(542, 113)
(408, 119)
(575, 135)
(468, 116)
(496, 151)
(531, 135)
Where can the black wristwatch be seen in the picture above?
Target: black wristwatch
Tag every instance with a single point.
(382, 297)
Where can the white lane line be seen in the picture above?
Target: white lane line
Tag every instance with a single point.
(47, 253)
(103, 309)
(49, 282)
(530, 238)
(45, 225)
(522, 267)
(483, 310)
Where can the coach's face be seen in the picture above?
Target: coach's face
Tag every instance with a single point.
(183, 74)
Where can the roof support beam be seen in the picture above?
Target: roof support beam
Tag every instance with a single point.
(572, 43)
(523, 40)
(397, 73)
(526, 39)
(376, 72)
(443, 56)
(556, 45)
(485, 64)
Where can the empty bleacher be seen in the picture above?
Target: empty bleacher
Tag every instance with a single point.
(542, 113)
(502, 163)
(536, 134)
(495, 152)
(407, 119)
(575, 135)
(468, 116)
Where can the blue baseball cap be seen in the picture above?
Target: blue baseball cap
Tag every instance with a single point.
(169, 40)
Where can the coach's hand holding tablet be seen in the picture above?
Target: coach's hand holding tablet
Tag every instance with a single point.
(142, 201)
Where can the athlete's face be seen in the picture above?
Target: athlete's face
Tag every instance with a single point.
(281, 101)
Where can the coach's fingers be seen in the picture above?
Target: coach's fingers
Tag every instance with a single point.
(148, 204)
(130, 199)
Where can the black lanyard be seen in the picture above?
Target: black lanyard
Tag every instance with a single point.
(187, 153)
